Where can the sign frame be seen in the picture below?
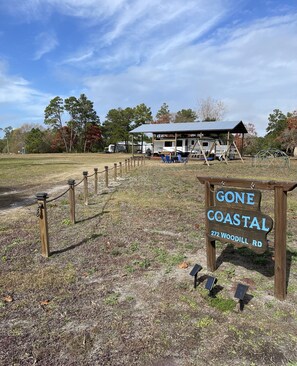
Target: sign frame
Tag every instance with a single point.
(280, 222)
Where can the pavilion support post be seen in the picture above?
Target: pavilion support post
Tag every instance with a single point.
(242, 143)
(280, 233)
(142, 143)
(175, 143)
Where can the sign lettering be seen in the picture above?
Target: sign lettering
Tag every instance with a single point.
(236, 218)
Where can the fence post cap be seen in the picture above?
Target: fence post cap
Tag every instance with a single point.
(71, 182)
(85, 173)
(96, 169)
(41, 196)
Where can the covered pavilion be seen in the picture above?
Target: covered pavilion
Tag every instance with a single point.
(172, 132)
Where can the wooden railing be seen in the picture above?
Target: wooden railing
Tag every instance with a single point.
(43, 197)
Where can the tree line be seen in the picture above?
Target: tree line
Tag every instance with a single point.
(281, 134)
(72, 125)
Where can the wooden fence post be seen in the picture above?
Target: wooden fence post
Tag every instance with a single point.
(138, 160)
(210, 244)
(106, 176)
(280, 251)
(85, 174)
(126, 163)
(115, 173)
(134, 162)
(71, 183)
(42, 214)
(96, 180)
(121, 169)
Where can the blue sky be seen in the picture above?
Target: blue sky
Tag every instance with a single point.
(121, 53)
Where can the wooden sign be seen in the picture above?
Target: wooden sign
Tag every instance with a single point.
(249, 201)
(236, 218)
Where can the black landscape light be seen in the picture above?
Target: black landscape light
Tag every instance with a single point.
(211, 281)
(240, 294)
(197, 268)
(241, 291)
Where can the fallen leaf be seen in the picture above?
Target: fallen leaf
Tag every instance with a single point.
(8, 298)
(44, 302)
(183, 265)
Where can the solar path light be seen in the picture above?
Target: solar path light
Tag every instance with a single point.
(194, 272)
(210, 282)
(240, 294)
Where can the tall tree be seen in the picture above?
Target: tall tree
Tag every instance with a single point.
(211, 110)
(292, 120)
(117, 125)
(18, 136)
(163, 115)
(53, 117)
(37, 141)
(71, 106)
(185, 115)
(7, 135)
(82, 115)
(142, 115)
(277, 123)
(288, 137)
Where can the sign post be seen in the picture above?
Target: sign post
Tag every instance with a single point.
(233, 215)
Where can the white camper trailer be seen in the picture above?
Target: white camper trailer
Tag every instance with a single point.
(121, 147)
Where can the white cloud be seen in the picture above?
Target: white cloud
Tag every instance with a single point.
(253, 70)
(79, 57)
(19, 102)
(46, 42)
(173, 51)
(30, 10)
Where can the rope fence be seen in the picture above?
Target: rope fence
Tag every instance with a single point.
(42, 197)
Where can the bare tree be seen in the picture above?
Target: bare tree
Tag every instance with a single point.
(211, 110)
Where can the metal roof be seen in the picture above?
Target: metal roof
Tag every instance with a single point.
(192, 127)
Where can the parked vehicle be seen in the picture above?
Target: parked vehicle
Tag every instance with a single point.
(121, 147)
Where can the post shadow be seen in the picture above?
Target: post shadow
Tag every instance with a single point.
(261, 263)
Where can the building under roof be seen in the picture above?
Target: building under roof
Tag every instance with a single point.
(206, 128)
(186, 136)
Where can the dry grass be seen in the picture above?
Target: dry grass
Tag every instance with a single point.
(112, 293)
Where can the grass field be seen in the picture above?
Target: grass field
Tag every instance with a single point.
(114, 291)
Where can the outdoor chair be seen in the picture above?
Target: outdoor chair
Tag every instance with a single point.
(181, 160)
(163, 158)
(168, 159)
